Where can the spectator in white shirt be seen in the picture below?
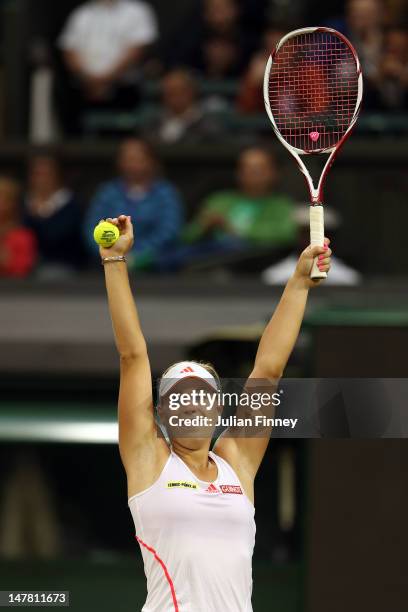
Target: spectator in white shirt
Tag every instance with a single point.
(103, 43)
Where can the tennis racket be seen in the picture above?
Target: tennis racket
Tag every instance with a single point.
(313, 89)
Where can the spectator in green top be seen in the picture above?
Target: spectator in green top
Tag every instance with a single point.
(246, 221)
(254, 214)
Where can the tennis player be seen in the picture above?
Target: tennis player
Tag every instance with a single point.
(193, 508)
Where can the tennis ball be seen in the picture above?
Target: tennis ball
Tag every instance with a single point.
(106, 234)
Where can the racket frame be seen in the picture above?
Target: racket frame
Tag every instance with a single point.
(316, 193)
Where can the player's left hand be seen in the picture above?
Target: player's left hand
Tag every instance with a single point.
(305, 263)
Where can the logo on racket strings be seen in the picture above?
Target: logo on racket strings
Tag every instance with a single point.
(314, 136)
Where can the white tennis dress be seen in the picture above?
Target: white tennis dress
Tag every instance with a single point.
(197, 540)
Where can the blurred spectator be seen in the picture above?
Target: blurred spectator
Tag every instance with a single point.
(365, 21)
(182, 117)
(199, 46)
(103, 44)
(221, 58)
(250, 98)
(340, 273)
(221, 16)
(153, 204)
(393, 71)
(53, 213)
(18, 251)
(396, 12)
(253, 215)
(362, 24)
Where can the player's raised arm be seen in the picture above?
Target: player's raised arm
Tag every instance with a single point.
(276, 345)
(136, 418)
(279, 338)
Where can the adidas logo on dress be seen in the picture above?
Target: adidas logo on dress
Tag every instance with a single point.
(211, 489)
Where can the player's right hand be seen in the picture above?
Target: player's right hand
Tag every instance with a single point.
(126, 238)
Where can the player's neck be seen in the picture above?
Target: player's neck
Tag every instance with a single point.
(196, 458)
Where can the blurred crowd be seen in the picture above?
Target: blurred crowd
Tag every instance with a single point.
(212, 68)
(110, 51)
(46, 229)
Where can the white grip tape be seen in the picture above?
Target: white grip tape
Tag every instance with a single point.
(317, 236)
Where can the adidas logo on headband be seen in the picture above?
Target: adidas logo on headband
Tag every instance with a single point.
(185, 369)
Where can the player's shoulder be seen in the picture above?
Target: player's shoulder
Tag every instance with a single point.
(226, 448)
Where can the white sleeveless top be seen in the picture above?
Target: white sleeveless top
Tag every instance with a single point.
(197, 540)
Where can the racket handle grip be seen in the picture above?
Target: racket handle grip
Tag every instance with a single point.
(317, 237)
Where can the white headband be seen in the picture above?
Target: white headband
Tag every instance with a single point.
(185, 369)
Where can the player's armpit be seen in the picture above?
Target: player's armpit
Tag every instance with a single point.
(244, 446)
(143, 450)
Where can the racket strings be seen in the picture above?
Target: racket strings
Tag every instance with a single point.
(313, 90)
